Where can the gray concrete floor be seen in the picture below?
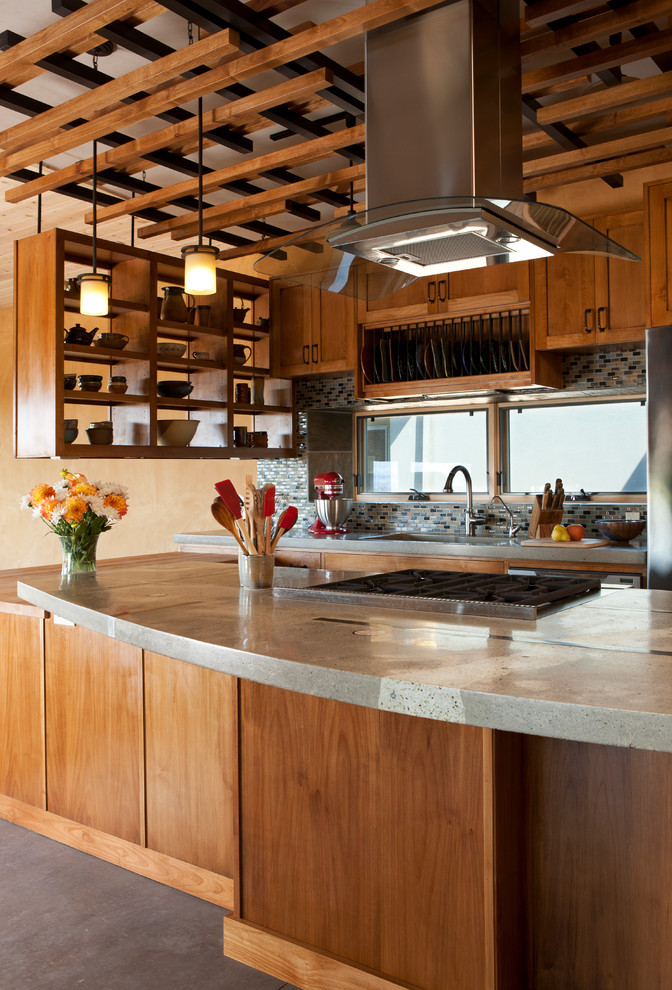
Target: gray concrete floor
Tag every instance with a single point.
(71, 921)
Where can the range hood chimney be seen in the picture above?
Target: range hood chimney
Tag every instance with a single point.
(444, 170)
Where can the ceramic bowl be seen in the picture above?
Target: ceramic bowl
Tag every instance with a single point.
(620, 530)
(176, 432)
(99, 434)
(170, 350)
(116, 341)
(201, 355)
(90, 383)
(69, 382)
(70, 434)
(174, 389)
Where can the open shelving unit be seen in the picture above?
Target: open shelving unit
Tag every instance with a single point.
(237, 351)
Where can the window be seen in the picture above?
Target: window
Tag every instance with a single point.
(597, 446)
(401, 452)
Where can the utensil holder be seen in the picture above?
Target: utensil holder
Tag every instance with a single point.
(542, 521)
(256, 570)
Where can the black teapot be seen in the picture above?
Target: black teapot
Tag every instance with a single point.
(78, 335)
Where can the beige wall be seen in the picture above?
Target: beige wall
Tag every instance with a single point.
(166, 496)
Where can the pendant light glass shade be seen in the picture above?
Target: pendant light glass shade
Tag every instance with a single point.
(94, 289)
(200, 270)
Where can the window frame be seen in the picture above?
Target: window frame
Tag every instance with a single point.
(496, 438)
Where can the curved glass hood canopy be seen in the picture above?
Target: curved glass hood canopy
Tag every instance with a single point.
(444, 169)
(406, 241)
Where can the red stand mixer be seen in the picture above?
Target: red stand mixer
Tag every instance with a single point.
(332, 509)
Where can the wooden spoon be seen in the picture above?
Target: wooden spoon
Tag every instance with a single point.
(225, 518)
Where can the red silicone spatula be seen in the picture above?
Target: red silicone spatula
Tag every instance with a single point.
(285, 523)
(229, 497)
(268, 497)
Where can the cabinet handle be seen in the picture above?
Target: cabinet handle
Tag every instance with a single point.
(316, 357)
(443, 295)
(601, 309)
(585, 321)
(431, 291)
(306, 354)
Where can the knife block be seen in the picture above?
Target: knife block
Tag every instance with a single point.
(543, 520)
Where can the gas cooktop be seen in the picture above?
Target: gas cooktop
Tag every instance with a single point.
(498, 595)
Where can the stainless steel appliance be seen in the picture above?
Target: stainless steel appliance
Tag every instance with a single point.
(659, 462)
(332, 509)
(492, 595)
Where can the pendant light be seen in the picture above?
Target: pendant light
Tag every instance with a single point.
(200, 270)
(94, 287)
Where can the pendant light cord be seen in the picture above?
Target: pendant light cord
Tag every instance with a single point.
(39, 203)
(95, 177)
(200, 170)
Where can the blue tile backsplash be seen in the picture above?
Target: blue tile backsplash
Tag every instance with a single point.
(621, 370)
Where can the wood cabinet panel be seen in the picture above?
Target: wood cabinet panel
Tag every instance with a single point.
(620, 286)
(190, 751)
(94, 730)
(316, 331)
(658, 200)
(22, 708)
(291, 306)
(366, 835)
(334, 332)
(600, 866)
(308, 820)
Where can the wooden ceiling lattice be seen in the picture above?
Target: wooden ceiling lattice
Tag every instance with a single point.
(596, 98)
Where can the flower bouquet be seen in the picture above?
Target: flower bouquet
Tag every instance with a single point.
(78, 511)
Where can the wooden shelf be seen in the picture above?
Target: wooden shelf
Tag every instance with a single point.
(243, 409)
(43, 357)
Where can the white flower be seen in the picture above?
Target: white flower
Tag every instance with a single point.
(96, 504)
(62, 489)
(25, 502)
(109, 488)
(111, 514)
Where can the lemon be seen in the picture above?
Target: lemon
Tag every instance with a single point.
(560, 534)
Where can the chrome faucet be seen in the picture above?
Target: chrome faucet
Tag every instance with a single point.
(470, 520)
(513, 529)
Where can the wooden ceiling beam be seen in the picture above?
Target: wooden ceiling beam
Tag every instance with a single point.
(298, 154)
(218, 216)
(593, 28)
(546, 11)
(606, 99)
(271, 8)
(596, 170)
(68, 32)
(163, 70)
(132, 153)
(349, 25)
(602, 58)
(605, 151)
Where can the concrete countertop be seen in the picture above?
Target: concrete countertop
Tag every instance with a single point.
(600, 671)
(495, 548)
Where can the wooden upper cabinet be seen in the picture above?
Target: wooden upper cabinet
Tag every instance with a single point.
(658, 205)
(315, 331)
(585, 300)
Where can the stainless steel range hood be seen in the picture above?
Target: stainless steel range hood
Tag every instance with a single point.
(444, 169)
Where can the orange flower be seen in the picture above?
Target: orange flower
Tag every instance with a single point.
(83, 488)
(73, 478)
(75, 507)
(117, 502)
(47, 507)
(39, 493)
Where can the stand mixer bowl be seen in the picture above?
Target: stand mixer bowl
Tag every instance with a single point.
(332, 512)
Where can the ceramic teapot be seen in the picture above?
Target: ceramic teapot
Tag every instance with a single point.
(78, 335)
(240, 312)
(173, 306)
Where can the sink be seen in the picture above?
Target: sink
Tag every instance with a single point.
(488, 541)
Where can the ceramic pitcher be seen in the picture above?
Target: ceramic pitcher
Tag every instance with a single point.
(173, 307)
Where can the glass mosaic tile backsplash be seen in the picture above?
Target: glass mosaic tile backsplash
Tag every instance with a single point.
(620, 370)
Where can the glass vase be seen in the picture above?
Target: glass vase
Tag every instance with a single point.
(78, 553)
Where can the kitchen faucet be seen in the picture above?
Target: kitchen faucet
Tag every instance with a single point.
(513, 529)
(470, 520)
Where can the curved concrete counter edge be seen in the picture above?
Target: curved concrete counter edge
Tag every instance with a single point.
(595, 673)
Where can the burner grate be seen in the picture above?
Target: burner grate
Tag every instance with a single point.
(497, 595)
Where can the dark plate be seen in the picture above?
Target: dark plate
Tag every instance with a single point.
(366, 362)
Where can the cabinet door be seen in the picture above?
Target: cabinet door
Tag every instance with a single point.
(659, 206)
(412, 301)
(190, 717)
(21, 709)
(93, 688)
(333, 342)
(565, 313)
(292, 325)
(620, 286)
(482, 288)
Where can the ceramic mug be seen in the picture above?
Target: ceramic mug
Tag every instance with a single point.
(239, 355)
(240, 436)
(201, 316)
